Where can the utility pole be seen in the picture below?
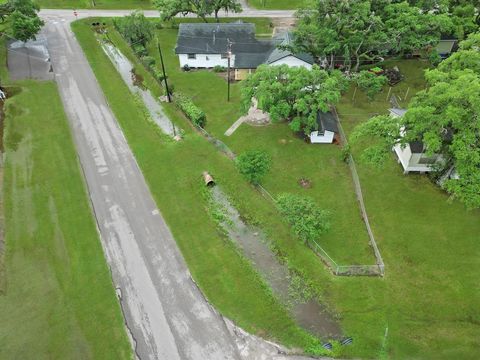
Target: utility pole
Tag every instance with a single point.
(163, 70)
(229, 55)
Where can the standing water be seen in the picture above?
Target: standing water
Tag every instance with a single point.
(309, 314)
(125, 68)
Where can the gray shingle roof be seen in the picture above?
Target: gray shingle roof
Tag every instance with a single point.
(209, 38)
(286, 39)
(327, 121)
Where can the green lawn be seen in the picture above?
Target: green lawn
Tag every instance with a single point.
(59, 301)
(276, 4)
(100, 4)
(429, 297)
(293, 159)
(173, 172)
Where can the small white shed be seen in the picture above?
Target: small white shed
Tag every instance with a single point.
(327, 129)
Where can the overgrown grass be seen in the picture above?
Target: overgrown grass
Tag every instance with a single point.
(173, 172)
(59, 301)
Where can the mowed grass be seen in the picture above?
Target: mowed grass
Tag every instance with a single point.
(429, 296)
(173, 172)
(95, 4)
(430, 246)
(59, 301)
(292, 158)
(276, 4)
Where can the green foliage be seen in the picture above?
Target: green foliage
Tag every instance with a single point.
(445, 118)
(25, 23)
(218, 68)
(307, 220)
(253, 165)
(149, 61)
(294, 94)
(316, 349)
(171, 8)
(135, 28)
(365, 30)
(370, 83)
(25, 27)
(191, 111)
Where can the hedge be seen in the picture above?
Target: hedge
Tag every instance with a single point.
(191, 111)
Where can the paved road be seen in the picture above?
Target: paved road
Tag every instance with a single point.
(167, 315)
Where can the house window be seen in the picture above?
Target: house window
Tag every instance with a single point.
(224, 56)
(192, 56)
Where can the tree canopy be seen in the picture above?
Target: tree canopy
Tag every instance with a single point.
(135, 28)
(21, 17)
(342, 31)
(445, 117)
(294, 94)
(307, 220)
(253, 165)
(202, 8)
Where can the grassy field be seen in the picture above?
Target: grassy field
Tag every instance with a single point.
(276, 4)
(59, 301)
(98, 4)
(173, 172)
(332, 187)
(429, 297)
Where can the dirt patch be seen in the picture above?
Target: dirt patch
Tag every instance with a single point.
(256, 116)
(137, 79)
(305, 183)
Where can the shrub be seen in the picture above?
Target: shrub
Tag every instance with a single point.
(307, 220)
(186, 67)
(253, 165)
(135, 28)
(140, 50)
(149, 61)
(218, 69)
(370, 83)
(191, 111)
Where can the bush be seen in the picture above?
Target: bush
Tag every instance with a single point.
(370, 83)
(307, 220)
(149, 61)
(253, 165)
(218, 69)
(191, 111)
(135, 28)
(186, 67)
(140, 50)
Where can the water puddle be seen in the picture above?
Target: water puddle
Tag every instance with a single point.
(308, 313)
(127, 72)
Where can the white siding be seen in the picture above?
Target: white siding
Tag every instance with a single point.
(205, 61)
(292, 61)
(411, 162)
(318, 138)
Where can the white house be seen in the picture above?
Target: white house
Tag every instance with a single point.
(327, 129)
(206, 45)
(412, 156)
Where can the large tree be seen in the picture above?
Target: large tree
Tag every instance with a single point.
(446, 118)
(21, 19)
(294, 94)
(202, 8)
(363, 30)
(135, 28)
